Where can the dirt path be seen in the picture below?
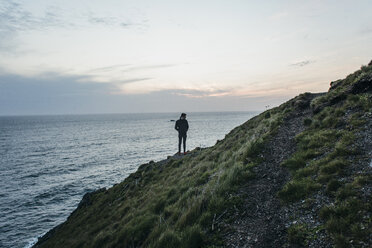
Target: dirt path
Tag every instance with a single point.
(261, 221)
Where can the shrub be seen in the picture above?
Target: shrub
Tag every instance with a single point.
(353, 98)
(335, 166)
(298, 189)
(297, 234)
(341, 241)
(192, 237)
(135, 232)
(325, 212)
(190, 216)
(329, 121)
(294, 162)
(339, 112)
(306, 171)
(202, 179)
(206, 219)
(159, 206)
(307, 122)
(254, 149)
(336, 225)
(357, 123)
(362, 180)
(142, 228)
(345, 192)
(316, 139)
(344, 219)
(100, 240)
(168, 239)
(333, 186)
(237, 175)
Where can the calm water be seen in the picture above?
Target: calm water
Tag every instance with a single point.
(47, 163)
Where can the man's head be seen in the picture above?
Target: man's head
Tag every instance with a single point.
(183, 116)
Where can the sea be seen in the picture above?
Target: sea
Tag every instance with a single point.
(47, 163)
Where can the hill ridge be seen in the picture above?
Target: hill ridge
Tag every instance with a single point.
(308, 158)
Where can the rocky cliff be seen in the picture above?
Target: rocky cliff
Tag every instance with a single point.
(298, 175)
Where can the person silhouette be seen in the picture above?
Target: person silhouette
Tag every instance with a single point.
(182, 126)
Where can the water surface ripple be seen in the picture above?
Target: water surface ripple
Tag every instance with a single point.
(47, 163)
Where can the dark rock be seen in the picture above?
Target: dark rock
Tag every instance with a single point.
(363, 85)
(335, 84)
(301, 104)
(143, 167)
(336, 99)
(86, 201)
(87, 198)
(316, 109)
(302, 101)
(47, 236)
(332, 101)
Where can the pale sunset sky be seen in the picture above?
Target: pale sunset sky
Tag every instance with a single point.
(119, 56)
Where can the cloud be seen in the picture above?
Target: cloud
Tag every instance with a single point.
(302, 63)
(16, 18)
(101, 20)
(58, 94)
(55, 93)
(149, 67)
(128, 78)
(48, 94)
(130, 67)
(105, 19)
(124, 24)
(13, 18)
(87, 78)
(134, 80)
(108, 68)
(121, 83)
(108, 21)
(52, 80)
(197, 93)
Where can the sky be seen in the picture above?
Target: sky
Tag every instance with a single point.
(119, 56)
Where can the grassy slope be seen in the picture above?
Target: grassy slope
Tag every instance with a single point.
(330, 166)
(174, 203)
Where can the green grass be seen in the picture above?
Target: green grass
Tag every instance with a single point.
(346, 220)
(297, 234)
(308, 121)
(335, 166)
(298, 189)
(332, 186)
(168, 239)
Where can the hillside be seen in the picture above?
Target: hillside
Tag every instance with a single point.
(295, 175)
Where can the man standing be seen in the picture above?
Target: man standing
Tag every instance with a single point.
(182, 126)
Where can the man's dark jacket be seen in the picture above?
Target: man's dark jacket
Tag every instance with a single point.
(182, 126)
